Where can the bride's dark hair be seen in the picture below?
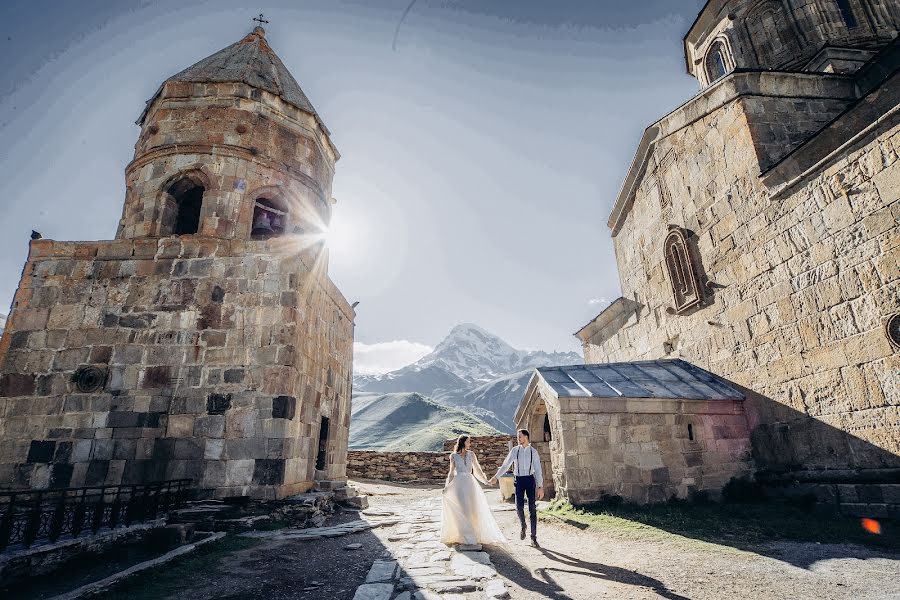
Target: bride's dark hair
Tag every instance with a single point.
(460, 443)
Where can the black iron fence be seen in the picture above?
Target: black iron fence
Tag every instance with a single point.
(29, 516)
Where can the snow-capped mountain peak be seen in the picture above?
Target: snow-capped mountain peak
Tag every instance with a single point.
(469, 357)
(471, 353)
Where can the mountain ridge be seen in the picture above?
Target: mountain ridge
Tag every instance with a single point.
(408, 422)
(472, 369)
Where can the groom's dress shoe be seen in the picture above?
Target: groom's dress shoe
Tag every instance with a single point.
(534, 542)
(522, 534)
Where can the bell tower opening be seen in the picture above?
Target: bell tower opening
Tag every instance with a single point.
(181, 211)
(269, 219)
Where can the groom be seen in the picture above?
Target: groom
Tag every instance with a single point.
(528, 478)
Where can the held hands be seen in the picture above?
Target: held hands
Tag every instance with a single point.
(492, 481)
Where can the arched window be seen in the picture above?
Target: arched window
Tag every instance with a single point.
(771, 34)
(181, 206)
(716, 65)
(548, 433)
(682, 272)
(847, 13)
(269, 219)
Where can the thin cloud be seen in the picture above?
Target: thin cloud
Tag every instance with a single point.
(383, 357)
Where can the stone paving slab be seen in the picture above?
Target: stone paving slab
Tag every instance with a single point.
(374, 591)
(382, 571)
(317, 533)
(495, 589)
(476, 565)
(424, 568)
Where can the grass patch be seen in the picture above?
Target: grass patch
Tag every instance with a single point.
(169, 578)
(739, 525)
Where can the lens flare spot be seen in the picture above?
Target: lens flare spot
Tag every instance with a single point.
(871, 525)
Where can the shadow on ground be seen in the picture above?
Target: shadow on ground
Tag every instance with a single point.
(241, 568)
(543, 582)
(795, 535)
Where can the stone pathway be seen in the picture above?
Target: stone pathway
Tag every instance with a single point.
(424, 568)
(316, 533)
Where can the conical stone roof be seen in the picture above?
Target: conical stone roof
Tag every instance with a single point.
(251, 61)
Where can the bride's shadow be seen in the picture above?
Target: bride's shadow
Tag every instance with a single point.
(542, 581)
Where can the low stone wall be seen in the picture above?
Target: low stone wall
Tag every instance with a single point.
(423, 466)
(397, 466)
(491, 450)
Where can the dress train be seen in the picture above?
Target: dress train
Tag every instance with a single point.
(466, 517)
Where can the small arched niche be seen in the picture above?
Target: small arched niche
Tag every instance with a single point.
(270, 218)
(182, 205)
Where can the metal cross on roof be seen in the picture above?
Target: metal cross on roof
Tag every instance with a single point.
(260, 19)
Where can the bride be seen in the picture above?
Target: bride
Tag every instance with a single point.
(466, 517)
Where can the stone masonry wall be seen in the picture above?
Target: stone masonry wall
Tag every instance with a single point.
(802, 286)
(424, 466)
(397, 466)
(218, 359)
(650, 457)
(490, 448)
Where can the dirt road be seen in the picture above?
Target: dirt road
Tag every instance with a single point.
(573, 563)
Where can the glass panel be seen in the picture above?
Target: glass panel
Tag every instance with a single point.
(616, 379)
(554, 375)
(568, 390)
(582, 375)
(600, 390)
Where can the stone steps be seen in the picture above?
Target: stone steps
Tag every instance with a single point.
(345, 495)
(874, 500)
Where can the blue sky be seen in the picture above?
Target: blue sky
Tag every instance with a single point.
(481, 153)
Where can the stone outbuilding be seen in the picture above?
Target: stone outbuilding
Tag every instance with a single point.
(206, 341)
(644, 431)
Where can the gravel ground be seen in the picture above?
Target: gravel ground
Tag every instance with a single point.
(585, 564)
(588, 564)
(573, 563)
(292, 569)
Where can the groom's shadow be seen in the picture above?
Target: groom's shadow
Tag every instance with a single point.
(543, 582)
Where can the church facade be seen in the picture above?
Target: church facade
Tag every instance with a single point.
(206, 341)
(756, 234)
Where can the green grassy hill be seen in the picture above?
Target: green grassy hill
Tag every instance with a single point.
(408, 421)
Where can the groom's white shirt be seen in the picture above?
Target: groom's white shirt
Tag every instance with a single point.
(528, 462)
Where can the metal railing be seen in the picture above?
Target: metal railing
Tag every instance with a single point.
(29, 516)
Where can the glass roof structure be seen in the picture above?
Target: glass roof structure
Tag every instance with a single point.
(675, 379)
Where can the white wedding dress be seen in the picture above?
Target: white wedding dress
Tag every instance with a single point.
(466, 517)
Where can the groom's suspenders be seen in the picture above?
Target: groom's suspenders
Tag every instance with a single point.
(518, 462)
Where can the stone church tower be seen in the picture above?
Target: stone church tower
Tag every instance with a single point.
(756, 237)
(206, 341)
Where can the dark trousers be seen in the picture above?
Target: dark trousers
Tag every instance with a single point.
(525, 486)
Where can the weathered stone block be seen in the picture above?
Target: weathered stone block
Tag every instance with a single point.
(16, 384)
(268, 471)
(239, 472)
(284, 407)
(217, 404)
(212, 426)
(41, 451)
